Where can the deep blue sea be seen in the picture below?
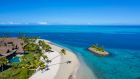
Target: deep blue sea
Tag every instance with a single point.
(122, 42)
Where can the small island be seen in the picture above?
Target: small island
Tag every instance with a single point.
(98, 50)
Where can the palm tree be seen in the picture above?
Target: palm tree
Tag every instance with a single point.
(24, 58)
(42, 65)
(44, 46)
(48, 48)
(63, 52)
(95, 46)
(3, 61)
(44, 57)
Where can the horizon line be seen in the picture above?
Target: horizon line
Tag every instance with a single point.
(72, 24)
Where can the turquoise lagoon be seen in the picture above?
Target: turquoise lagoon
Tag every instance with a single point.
(122, 42)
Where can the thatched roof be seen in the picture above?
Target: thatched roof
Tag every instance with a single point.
(8, 44)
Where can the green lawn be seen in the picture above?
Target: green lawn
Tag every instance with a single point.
(16, 71)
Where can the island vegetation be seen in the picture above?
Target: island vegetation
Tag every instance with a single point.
(98, 48)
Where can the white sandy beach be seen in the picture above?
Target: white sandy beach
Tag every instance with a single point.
(58, 69)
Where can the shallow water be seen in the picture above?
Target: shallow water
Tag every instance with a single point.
(122, 42)
(123, 62)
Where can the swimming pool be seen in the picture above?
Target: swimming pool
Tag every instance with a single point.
(15, 59)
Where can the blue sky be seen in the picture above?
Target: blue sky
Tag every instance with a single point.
(98, 12)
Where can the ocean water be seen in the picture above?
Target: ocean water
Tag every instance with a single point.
(122, 42)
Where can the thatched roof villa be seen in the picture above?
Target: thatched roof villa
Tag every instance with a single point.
(9, 46)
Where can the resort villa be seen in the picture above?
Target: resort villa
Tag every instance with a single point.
(10, 47)
(42, 59)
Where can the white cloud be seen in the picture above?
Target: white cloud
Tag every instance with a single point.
(89, 23)
(24, 23)
(43, 23)
(12, 23)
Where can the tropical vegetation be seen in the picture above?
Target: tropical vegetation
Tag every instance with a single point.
(63, 52)
(44, 46)
(98, 48)
(3, 61)
(30, 61)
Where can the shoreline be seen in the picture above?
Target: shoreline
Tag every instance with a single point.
(80, 71)
(71, 71)
(58, 68)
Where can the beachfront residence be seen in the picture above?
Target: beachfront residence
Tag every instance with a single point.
(98, 50)
(10, 47)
